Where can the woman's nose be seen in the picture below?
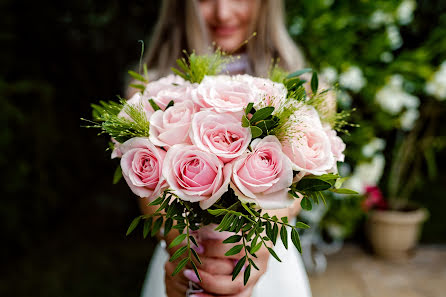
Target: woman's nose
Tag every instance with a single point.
(223, 10)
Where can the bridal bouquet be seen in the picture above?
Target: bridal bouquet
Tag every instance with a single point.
(218, 149)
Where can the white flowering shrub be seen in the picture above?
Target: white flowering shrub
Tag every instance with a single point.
(387, 60)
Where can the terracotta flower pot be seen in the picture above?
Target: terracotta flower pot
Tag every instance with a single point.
(394, 234)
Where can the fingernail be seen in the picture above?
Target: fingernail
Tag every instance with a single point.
(199, 249)
(190, 275)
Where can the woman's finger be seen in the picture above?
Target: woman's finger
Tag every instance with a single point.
(217, 266)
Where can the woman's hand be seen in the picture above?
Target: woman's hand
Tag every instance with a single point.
(218, 281)
(178, 284)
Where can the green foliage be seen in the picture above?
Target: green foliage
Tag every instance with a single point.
(120, 128)
(195, 67)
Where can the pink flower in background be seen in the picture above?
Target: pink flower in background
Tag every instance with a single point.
(307, 145)
(172, 126)
(168, 88)
(373, 199)
(264, 175)
(223, 93)
(195, 175)
(220, 133)
(267, 92)
(141, 165)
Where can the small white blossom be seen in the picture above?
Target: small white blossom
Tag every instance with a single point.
(352, 79)
(394, 37)
(329, 74)
(404, 12)
(366, 174)
(344, 99)
(436, 86)
(392, 98)
(379, 18)
(386, 57)
(409, 118)
(374, 146)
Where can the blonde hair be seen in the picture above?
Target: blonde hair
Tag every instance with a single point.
(181, 27)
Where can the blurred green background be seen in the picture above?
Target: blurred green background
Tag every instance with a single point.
(63, 223)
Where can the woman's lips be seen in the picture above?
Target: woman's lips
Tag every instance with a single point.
(224, 31)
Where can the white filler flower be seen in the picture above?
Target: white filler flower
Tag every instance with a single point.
(436, 86)
(352, 79)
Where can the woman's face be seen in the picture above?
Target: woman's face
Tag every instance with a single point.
(228, 21)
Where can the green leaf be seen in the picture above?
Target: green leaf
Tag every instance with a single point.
(238, 267)
(196, 271)
(253, 264)
(216, 212)
(299, 72)
(146, 72)
(261, 114)
(245, 122)
(275, 233)
(234, 250)
(248, 209)
(312, 184)
(180, 266)
(339, 182)
(118, 175)
(246, 274)
(233, 239)
(306, 204)
(193, 240)
(157, 201)
(256, 131)
(344, 191)
(154, 105)
(249, 108)
(178, 253)
(168, 226)
(133, 225)
(296, 240)
(138, 86)
(194, 252)
(170, 104)
(314, 83)
(255, 248)
(137, 76)
(284, 236)
(147, 225)
(284, 220)
(157, 226)
(273, 253)
(179, 239)
(269, 229)
(301, 225)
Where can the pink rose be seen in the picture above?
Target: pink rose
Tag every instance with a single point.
(337, 145)
(168, 88)
(137, 101)
(142, 165)
(195, 175)
(172, 126)
(267, 92)
(116, 153)
(306, 143)
(264, 175)
(220, 134)
(222, 94)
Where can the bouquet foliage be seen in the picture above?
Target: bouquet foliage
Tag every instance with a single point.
(207, 148)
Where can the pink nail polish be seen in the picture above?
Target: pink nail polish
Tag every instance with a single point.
(199, 249)
(190, 275)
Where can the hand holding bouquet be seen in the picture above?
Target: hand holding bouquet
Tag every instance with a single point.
(218, 149)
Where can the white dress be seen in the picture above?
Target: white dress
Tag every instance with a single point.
(285, 279)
